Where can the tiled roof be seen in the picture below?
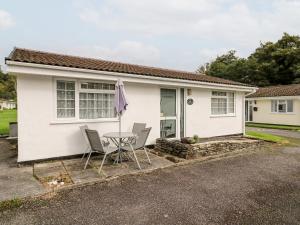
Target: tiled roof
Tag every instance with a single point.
(276, 91)
(47, 58)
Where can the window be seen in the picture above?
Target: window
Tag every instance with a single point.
(96, 100)
(222, 103)
(65, 92)
(282, 106)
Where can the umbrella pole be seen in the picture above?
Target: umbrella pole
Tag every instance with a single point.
(120, 158)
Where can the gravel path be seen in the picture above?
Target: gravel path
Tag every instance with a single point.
(284, 133)
(259, 188)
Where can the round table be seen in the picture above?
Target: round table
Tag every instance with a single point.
(118, 138)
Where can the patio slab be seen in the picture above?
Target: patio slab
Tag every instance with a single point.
(15, 182)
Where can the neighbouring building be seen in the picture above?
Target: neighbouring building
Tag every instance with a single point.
(7, 104)
(274, 105)
(58, 93)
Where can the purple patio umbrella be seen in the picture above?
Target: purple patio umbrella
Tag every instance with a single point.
(120, 103)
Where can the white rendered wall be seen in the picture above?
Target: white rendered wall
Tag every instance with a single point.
(199, 120)
(41, 138)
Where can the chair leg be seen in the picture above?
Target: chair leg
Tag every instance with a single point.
(135, 157)
(147, 155)
(86, 152)
(87, 161)
(103, 160)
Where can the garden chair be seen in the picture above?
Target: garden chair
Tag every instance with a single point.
(88, 147)
(140, 143)
(138, 127)
(98, 147)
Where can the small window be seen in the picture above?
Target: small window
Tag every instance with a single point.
(222, 103)
(65, 92)
(282, 106)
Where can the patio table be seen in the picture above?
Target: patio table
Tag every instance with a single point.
(119, 138)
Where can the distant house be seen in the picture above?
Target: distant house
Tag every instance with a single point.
(274, 105)
(7, 104)
(58, 93)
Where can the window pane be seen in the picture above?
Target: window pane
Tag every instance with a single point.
(218, 106)
(70, 86)
(61, 85)
(61, 104)
(97, 86)
(98, 105)
(218, 93)
(282, 108)
(274, 106)
(290, 106)
(168, 128)
(61, 95)
(168, 102)
(65, 99)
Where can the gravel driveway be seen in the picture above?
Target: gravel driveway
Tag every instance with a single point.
(259, 188)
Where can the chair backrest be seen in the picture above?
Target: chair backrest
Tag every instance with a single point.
(138, 127)
(82, 129)
(142, 137)
(95, 141)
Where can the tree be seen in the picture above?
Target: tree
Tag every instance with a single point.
(7, 86)
(270, 64)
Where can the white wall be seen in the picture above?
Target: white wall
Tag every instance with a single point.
(200, 121)
(40, 137)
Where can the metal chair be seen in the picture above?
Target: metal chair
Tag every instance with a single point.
(140, 143)
(88, 147)
(138, 127)
(98, 147)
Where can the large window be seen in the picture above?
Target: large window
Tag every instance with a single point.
(65, 91)
(92, 100)
(222, 103)
(282, 106)
(96, 100)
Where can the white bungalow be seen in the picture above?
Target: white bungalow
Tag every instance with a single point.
(58, 93)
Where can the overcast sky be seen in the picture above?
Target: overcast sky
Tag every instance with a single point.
(178, 34)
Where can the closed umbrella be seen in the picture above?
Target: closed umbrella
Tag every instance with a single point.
(120, 104)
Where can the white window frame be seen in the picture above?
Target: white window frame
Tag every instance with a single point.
(76, 119)
(227, 100)
(95, 91)
(286, 106)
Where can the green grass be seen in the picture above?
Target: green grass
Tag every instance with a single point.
(267, 137)
(273, 126)
(6, 116)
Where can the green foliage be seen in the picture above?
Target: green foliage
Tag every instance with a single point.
(7, 86)
(270, 64)
(267, 137)
(6, 116)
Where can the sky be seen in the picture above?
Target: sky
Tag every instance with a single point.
(176, 34)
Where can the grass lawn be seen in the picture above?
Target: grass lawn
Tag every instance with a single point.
(267, 137)
(7, 116)
(273, 126)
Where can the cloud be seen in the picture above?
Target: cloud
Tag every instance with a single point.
(242, 23)
(6, 20)
(125, 51)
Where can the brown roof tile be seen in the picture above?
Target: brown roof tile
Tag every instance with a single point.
(46, 58)
(276, 91)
